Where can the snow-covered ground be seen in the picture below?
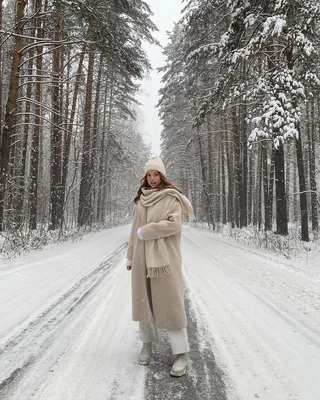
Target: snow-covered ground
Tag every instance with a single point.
(263, 314)
(66, 329)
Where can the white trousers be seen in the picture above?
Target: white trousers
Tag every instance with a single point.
(178, 338)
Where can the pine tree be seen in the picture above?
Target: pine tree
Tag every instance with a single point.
(282, 34)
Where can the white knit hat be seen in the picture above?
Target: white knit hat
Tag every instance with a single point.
(156, 164)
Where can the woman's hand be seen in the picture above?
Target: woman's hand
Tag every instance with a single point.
(129, 265)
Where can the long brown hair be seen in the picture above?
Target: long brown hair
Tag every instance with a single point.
(165, 183)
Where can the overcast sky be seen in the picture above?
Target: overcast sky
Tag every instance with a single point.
(166, 12)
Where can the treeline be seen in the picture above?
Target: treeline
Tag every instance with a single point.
(240, 105)
(71, 151)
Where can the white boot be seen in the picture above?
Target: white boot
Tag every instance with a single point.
(179, 367)
(145, 354)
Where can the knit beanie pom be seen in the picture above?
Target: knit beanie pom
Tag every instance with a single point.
(156, 164)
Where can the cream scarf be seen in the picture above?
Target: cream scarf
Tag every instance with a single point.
(157, 258)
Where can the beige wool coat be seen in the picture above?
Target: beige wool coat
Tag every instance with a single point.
(159, 300)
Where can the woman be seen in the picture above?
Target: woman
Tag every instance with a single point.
(155, 259)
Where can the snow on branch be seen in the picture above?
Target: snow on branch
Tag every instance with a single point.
(280, 109)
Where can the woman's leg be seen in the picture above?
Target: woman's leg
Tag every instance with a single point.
(147, 332)
(180, 347)
(178, 339)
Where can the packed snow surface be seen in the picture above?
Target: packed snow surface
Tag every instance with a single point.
(66, 330)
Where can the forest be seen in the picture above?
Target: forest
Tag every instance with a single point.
(239, 104)
(70, 144)
(240, 108)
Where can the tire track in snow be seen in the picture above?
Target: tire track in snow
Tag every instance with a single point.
(21, 351)
(204, 379)
(95, 356)
(308, 332)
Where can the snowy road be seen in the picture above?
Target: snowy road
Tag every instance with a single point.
(264, 318)
(66, 331)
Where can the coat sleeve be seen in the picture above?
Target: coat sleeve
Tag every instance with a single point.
(164, 228)
(133, 232)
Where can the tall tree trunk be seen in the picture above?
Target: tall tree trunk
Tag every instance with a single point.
(312, 171)
(281, 202)
(269, 202)
(95, 133)
(223, 199)
(318, 119)
(257, 188)
(85, 209)
(299, 152)
(302, 188)
(216, 212)
(56, 136)
(18, 204)
(296, 204)
(288, 173)
(238, 177)
(102, 160)
(34, 156)
(68, 136)
(259, 193)
(243, 177)
(250, 185)
(210, 188)
(203, 177)
(106, 179)
(63, 138)
(266, 183)
(230, 175)
(8, 126)
(66, 93)
(1, 72)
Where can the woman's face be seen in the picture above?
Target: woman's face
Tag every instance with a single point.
(153, 178)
